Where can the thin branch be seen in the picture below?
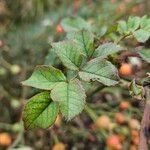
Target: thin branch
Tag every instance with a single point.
(145, 124)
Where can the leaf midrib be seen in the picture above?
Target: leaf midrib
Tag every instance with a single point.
(47, 78)
(39, 114)
(70, 61)
(83, 40)
(97, 75)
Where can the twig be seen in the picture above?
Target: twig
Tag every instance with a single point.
(122, 38)
(55, 137)
(91, 113)
(20, 137)
(5, 63)
(145, 124)
(6, 126)
(17, 141)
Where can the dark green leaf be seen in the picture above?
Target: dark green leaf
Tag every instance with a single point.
(40, 111)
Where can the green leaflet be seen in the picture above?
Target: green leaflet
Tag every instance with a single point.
(71, 98)
(145, 23)
(107, 49)
(136, 91)
(122, 27)
(69, 54)
(74, 24)
(131, 25)
(40, 111)
(84, 39)
(141, 35)
(45, 77)
(139, 27)
(100, 70)
(145, 54)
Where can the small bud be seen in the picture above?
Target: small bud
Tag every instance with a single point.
(15, 69)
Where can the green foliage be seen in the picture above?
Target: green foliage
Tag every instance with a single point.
(107, 49)
(74, 24)
(45, 77)
(141, 35)
(84, 39)
(100, 70)
(40, 111)
(136, 91)
(136, 26)
(131, 25)
(144, 32)
(85, 60)
(71, 98)
(69, 53)
(145, 54)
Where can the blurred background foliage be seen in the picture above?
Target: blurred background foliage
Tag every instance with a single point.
(27, 27)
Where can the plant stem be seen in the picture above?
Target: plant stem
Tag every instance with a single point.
(122, 38)
(91, 113)
(145, 124)
(6, 126)
(56, 140)
(17, 140)
(5, 63)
